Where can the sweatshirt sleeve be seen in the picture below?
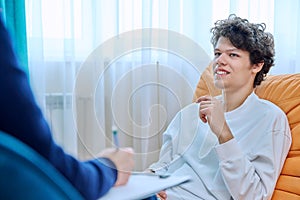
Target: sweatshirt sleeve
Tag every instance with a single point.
(167, 151)
(254, 175)
(22, 118)
(179, 135)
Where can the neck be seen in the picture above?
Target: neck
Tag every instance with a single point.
(233, 100)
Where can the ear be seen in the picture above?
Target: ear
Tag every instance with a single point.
(257, 67)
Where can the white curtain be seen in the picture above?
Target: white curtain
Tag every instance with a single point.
(133, 64)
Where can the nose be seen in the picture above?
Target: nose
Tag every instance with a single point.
(221, 59)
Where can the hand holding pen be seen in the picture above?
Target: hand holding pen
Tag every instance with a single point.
(122, 158)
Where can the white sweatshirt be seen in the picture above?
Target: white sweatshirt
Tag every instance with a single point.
(245, 168)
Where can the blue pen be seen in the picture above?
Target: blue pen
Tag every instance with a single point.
(115, 136)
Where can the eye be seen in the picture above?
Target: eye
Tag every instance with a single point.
(233, 55)
(217, 54)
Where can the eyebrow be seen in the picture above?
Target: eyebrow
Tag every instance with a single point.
(228, 50)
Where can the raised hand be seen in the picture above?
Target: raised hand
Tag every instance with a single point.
(211, 111)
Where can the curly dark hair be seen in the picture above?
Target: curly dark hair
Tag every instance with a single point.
(249, 37)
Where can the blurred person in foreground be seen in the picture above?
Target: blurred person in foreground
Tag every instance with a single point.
(22, 118)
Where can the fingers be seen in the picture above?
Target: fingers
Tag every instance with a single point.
(205, 104)
(125, 163)
(123, 178)
(162, 195)
(202, 117)
(123, 159)
(204, 98)
(128, 149)
(210, 107)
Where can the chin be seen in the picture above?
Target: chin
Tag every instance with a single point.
(219, 84)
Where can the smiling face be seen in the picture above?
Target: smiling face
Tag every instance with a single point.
(232, 68)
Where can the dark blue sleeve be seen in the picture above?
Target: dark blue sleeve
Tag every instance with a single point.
(21, 117)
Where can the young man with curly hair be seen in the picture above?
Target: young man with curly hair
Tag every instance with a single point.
(233, 146)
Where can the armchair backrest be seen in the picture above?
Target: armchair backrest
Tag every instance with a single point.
(27, 175)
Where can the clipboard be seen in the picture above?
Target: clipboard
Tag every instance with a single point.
(141, 186)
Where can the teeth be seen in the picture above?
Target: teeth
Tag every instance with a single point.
(221, 72)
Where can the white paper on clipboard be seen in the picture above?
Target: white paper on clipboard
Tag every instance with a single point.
(143, 186)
